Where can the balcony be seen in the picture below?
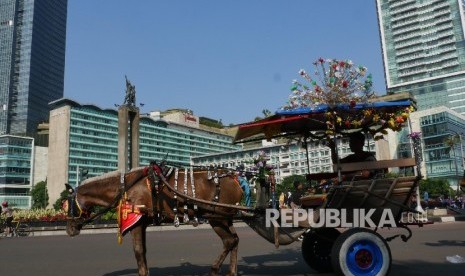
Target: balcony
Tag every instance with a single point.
(407, 44)
(403, 16)
(409, 50)
(409, 58)
(398, 4)
(406, 30)
(412, 72)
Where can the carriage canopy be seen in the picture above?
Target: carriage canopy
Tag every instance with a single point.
(374, 117)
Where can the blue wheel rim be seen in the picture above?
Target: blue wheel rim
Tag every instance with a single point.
(364, 257)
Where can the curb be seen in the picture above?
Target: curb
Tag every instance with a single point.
(89, 231)
(169, 227)
(448, 218)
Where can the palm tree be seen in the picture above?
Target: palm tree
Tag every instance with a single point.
(451, 142)
(266, 113)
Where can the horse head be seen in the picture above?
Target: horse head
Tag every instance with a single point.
(74, 218)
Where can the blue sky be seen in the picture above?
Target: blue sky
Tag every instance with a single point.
(225, 60)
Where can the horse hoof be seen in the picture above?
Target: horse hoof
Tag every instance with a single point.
(214, 271)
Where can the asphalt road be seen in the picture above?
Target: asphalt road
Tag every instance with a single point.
(191, 251)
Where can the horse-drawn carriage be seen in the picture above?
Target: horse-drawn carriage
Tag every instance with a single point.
(360, 250)
(162, 191)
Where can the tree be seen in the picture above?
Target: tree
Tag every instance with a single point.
(39, 195)
(266, 113)
(288, 183)
(58, 203)
(435, 187)
(451, 142)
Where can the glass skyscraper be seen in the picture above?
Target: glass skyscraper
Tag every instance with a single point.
(16, 163)
(423, 50)
(423, 46)
(32, 61)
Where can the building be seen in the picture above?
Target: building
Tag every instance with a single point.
(423, 47)
(85, 137)
(287, 159)
(16, 174)
(32, 62)
(441, 160)
(424, 50)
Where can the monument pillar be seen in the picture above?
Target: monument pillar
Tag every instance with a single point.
(128, 131)
(128, 138)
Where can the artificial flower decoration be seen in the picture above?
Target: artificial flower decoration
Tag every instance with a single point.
(344, 91)
(261, 167)
(334, 82)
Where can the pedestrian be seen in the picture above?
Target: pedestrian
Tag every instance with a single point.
(241, 177)
(295, 201)
(426, 199)
(9, 217)
(426, 196)
(281, 200)
(288, 197)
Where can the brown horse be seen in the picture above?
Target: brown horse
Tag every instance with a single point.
(214, 196)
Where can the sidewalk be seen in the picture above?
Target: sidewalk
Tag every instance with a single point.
(114, 229)
(446, 215)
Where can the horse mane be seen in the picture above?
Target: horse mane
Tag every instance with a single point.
(101, 177)
(111, 176)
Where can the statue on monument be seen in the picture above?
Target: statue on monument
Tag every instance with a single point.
(130, 98)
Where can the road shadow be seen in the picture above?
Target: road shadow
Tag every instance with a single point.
(279, 263)
(426, 268)
(284, 262)
(446, 243)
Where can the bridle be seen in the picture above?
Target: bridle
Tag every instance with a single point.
(75, 210)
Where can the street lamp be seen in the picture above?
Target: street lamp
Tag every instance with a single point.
(452, 147)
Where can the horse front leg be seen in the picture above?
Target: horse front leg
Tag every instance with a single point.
(235, 247)
(227, 233)
(138, 242)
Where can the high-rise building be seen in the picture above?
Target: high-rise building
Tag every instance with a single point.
(443, 160)
(423, 50)
(16, 170)
(423, 46)
(32, 61)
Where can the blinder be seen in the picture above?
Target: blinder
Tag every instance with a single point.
(74, 209)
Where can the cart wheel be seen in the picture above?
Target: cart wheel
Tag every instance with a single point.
(360, 251)
(316, 248)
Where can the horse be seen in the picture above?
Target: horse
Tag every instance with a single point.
(214, 195)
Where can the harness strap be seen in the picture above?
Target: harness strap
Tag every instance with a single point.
(202, 201)
(175, 196)
(196, 220)
(216, 180)
(186, 216)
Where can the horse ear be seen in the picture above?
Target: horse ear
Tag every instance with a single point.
(163, 162)
(69, 188)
